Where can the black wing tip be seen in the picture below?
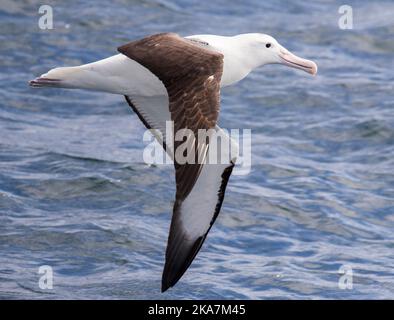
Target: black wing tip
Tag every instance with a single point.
(165, 285)
(177, 262)
(170, 277)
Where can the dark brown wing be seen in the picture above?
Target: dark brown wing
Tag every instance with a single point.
(191, 75)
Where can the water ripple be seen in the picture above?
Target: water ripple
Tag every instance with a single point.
(76, 195)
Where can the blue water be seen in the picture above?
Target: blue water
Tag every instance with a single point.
(76, 195)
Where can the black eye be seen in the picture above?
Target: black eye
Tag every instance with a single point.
(268, 45)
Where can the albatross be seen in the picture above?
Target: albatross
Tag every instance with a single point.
(167, 77)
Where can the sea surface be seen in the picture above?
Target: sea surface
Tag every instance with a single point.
(76, 195)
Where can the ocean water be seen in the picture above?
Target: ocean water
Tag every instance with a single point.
(76, 195)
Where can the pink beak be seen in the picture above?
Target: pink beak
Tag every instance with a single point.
(292, 60)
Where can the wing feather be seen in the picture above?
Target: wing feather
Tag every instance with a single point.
(191, 74)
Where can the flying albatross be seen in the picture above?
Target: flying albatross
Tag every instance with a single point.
(168, 77)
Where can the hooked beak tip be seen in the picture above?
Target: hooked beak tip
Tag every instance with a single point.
(313, 70)
(294, 61)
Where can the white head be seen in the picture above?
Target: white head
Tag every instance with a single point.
(264, 49)
(245, 52)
